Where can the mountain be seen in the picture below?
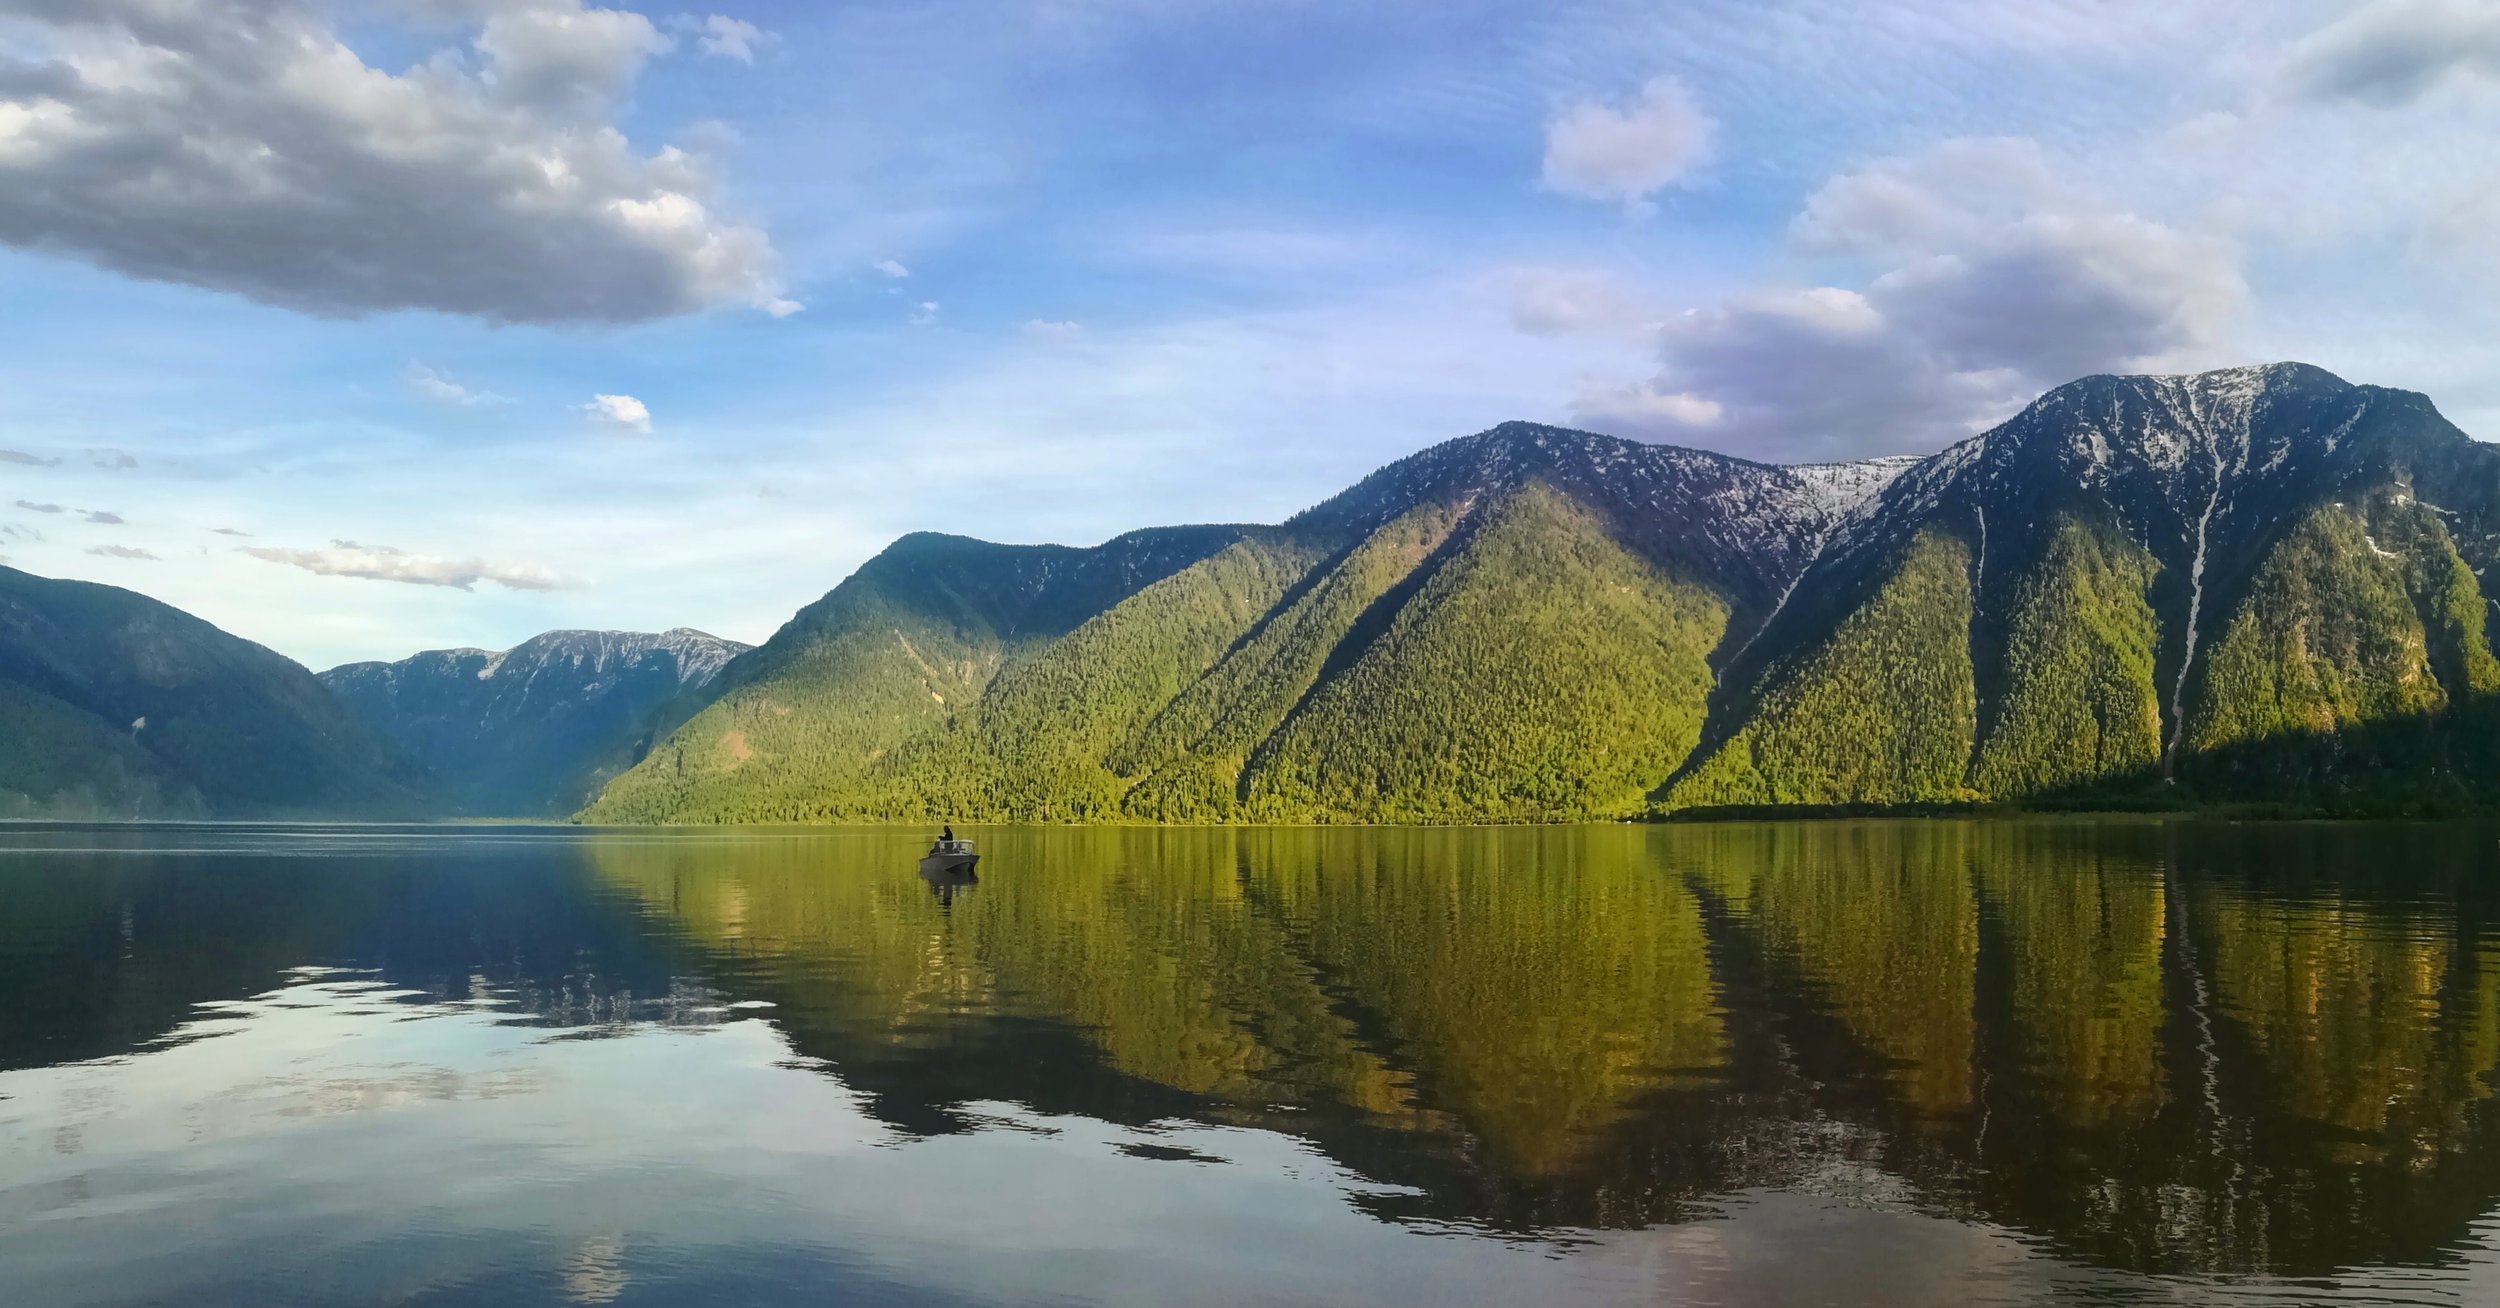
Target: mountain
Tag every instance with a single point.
(2256, 583)
(1516, 625)
(114, 705)
(533, 731)
(2253, 583)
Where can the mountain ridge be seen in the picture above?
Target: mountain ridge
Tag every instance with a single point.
(534, 730)
(1989, 615)
(117, 705)
(2260, 583)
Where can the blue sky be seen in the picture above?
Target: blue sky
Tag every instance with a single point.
(482, 317)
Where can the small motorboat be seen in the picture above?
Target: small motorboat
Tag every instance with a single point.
(949, 858)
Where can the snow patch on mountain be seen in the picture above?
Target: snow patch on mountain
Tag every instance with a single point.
(1845, 487)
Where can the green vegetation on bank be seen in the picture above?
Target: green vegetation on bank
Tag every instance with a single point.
(1542, 672)
(910, 641)
(1189, 758)
(1883, 712)
(1410, 676)
(2077, 705)
(1034, 746)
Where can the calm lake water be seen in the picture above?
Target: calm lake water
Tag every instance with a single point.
(1908, 1063)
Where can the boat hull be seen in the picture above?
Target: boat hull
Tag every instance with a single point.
(935, 865)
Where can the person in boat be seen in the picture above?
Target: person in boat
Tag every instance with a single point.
(946, 834)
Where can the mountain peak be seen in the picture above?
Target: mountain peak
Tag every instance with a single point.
(2220, 392)
(2172, 428)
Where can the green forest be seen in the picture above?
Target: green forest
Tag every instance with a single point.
(1525, 625)
(1507, 658)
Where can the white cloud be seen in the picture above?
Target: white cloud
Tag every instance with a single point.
(112, 460)
(891, 268)
(1951, 194)
(620, 411)
(24, 459)
(435, 386)
(241, 145)
(1637, 407)
(731, 38)
(121, 552)
(1560, 301)
(1058, 332)
(1986, 283)
(1626, 155)
(2394, 51)
(103, 518)
(32, 507)
(563, 59)
(926, 314)
(346, 558)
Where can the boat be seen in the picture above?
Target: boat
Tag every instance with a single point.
(947, 857)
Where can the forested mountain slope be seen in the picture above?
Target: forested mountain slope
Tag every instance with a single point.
(536, 730)
(114, 705)
(1515, 625)
(2253, 583)
(2260, 582)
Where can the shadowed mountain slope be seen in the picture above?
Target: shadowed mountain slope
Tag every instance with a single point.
(114, 705)
(536, 730)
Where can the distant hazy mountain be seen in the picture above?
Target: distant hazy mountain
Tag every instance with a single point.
(2255, 583)
(533, 731)
(114, 705)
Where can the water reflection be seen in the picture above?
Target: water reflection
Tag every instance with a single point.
(2166, 1048)
(946, 882)
(2135, 1048)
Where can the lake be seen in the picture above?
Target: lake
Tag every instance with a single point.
(1819, 1062)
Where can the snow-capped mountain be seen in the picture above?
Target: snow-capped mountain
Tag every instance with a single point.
(2266, 553)
(1749, 528)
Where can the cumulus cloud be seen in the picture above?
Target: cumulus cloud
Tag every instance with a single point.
(1986, 283)
(891, 268)
(29, 460)
(926, 314)
(731, 38)
(2394, 51)
(102, 518)
(31, 507)
(1624, 155)
(442, 389)
(241, 145)
(1560, 301)
(1058, 332)
(346, 558)
(121, 552)
(623, 412)
(1639, 407)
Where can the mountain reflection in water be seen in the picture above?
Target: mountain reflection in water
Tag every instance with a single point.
(1745, 1063)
